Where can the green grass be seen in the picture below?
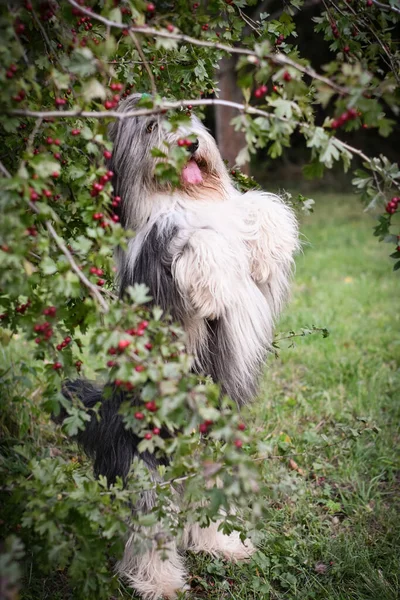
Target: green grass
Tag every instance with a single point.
(333, 530)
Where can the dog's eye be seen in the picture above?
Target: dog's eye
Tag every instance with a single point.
(150, 127)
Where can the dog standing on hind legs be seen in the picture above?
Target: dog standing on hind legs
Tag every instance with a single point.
(220, 263)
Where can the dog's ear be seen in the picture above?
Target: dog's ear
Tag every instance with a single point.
(105, 439)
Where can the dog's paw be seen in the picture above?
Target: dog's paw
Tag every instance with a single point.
(214, 542)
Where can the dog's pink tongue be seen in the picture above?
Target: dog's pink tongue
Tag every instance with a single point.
(191, 173)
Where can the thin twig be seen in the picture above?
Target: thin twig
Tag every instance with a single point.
(386, 6)
(279, 58)
(94, 290)
(146, 64)
(4, 171)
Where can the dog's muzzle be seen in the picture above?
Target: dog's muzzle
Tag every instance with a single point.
(193, 147)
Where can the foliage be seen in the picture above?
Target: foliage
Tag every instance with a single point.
(64, 72)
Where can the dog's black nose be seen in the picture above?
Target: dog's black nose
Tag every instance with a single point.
(193, 147)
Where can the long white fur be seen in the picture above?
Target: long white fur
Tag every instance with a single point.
(232, 257)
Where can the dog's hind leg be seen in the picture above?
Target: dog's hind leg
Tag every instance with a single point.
(157, 573)
(153, 573)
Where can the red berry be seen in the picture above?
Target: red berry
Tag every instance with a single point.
(287, 76)
(150, 7)
(204, 27)
(241, 426)
(107, 154)
(101, 282)
(47, 193)
(396, 200)
(115, 218)
(148, 346)
(238, 443)
(122, 344)
(139, 416)
(75, 132)
(258, 93)
(60, 101)
(151, 406)
(346, 49)
(57, 366)
(34, 196)
(140, 368)
(55, 174)
(162, 68)
(156, 431)
(148, 436)
(369, 3)
(108, 104)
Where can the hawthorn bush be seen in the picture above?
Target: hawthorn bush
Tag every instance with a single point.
(65, 66)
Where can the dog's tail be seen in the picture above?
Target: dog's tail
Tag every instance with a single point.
(105, 438)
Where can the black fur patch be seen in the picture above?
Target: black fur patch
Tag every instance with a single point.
(153, 268)
(105, 439)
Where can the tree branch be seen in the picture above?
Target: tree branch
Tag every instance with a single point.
(164, 106)
(386, 6)
(92, 288)
(279, 58)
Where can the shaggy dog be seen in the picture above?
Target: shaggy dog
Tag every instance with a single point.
(219, 262)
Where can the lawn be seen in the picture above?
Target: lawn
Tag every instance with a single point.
(332, 405)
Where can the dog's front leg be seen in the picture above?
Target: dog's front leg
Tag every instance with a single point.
(272, 243)
(207, 273)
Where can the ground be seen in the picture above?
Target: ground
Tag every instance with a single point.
(334, 528)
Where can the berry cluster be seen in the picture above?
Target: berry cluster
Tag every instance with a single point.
(98, 186)
(66, 341)
(21, 308)
(349, 115)
(12, 69)
(280, 40)
(31, 231)
(335, 30)
(182, 142)
(45, 329)
(391, 207)
(204, 427)
(260, 91)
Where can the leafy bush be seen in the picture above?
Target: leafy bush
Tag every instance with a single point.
(66, 66)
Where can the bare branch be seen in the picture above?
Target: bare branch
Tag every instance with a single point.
(386, 6)
(4, 171)
(164, 106)
(279, 59)
(94, 290)
(146, 64)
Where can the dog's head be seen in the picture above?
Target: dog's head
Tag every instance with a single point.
(203, 177)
